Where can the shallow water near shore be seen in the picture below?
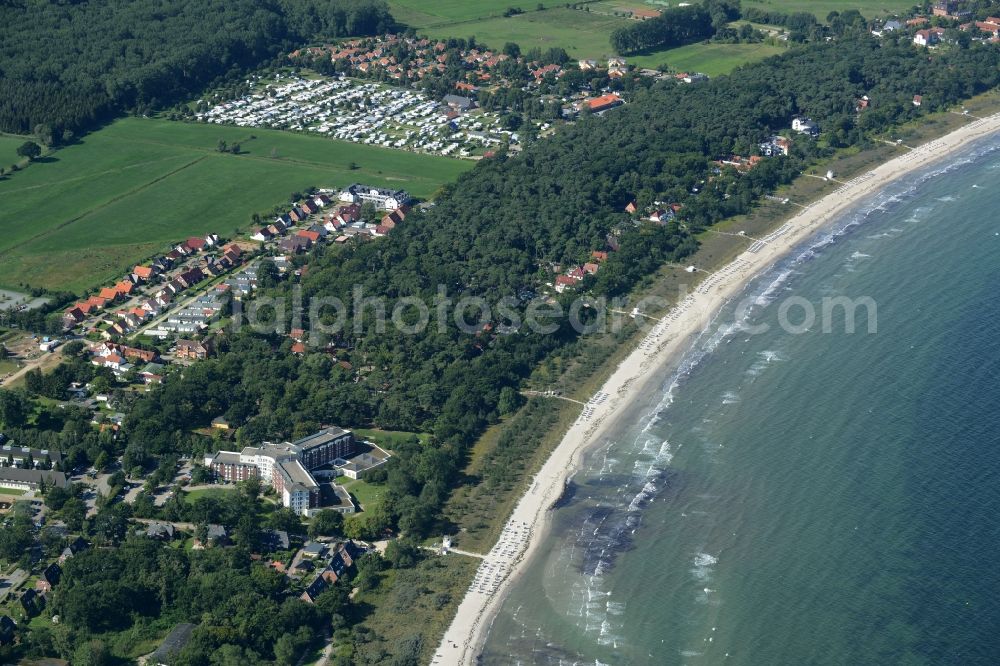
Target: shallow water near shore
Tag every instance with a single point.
(811, 498)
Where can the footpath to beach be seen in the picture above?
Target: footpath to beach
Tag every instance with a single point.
(663, 345)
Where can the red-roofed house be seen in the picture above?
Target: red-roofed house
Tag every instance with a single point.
(96, 303)
(195, 244)
(299, 348)
(108, 294)
(313, 236)
(73, 316)
(598, 255)
(603, 103)
(928, 37)
(143, 272)
(563, 282)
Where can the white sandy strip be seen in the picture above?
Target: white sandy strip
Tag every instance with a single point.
(664, 343)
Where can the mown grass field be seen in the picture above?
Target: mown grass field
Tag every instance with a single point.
(424, 13)
(821, 8)
(130, 189)
(390, 438)
(368, 495)
(219, 493)
(582, 34)
(8, 149)
(708, 58)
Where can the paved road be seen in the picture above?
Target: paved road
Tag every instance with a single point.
(187, 527)
(12, 582)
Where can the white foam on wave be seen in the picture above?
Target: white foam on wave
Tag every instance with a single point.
(764, 359)
(730, 398)
(702, 567)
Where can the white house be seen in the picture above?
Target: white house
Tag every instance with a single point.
(383, 198)
(804, 126)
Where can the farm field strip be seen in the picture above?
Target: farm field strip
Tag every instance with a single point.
(153, 182)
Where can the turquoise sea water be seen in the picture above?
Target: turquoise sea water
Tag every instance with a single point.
(820, 498)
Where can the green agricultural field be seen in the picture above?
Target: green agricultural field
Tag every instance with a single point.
(425, 13)
(708, 58)
(821, 8)
(132, 188)
(582, 34)
(8, 149)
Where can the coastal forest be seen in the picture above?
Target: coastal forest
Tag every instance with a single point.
(100, 58)
(495, 233)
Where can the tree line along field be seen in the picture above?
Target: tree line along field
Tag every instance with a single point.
(127, 190)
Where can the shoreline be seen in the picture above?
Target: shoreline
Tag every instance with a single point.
(664, 345)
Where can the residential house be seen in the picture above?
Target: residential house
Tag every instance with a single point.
(602, 103)
(195, 244)
(312, 236)
(144, 273)
(928, 37)
(215, 536)
(564, 282)
(459, 103)
(160, 531)
(951, 9)
(7, 629)
(891, 25)
(75, 546)
(191, 277)
(152, 373)
(383, 198)
(49, 578)
(109, 294)
(776, 145)
(804, 125)
(295, 244)
(193, 349)
(73, 316)
(263, 234)
(661, 216)
(275, 540)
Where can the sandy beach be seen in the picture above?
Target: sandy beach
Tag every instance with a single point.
(663, 345)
